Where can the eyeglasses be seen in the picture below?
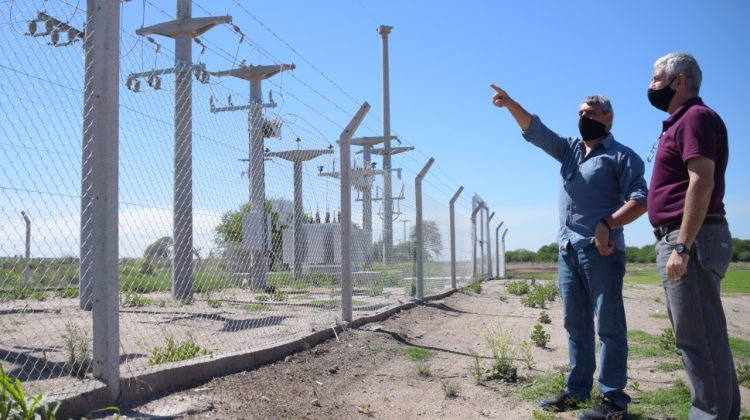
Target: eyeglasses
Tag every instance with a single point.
(652, 152)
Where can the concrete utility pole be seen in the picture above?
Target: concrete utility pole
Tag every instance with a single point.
(497, 246)
(255, 223)
(99, 268)
(369, 173)
(387, 152)
(183, 30)
(453, 234)
(345, 221)
(27, 254)
(297, 157)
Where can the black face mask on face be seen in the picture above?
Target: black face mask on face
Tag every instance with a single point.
(660, 98)
(591, 129)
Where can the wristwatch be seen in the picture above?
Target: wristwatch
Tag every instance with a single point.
(681, 249)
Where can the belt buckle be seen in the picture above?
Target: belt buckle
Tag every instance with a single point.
(661, 231)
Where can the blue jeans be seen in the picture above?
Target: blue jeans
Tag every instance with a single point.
(591, 286)
(697, 315)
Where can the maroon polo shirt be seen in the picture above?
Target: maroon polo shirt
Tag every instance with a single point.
(691, 131)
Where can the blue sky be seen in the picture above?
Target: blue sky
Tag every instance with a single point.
(548, 55)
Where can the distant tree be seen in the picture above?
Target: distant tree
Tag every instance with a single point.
(740, 250)
(548, 253)
(433, 239)
(229, 231)
(156, 255)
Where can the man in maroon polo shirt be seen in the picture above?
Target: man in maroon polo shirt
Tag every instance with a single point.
(685, 206)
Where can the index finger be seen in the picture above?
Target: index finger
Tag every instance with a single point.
(497, 88)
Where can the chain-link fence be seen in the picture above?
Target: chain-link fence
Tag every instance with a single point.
(228, 231)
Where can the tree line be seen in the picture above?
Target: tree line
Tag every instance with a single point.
(644, 254)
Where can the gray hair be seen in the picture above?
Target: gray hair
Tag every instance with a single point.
(600, 100)
(679, 62)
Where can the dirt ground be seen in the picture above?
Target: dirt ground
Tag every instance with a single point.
(365, 373)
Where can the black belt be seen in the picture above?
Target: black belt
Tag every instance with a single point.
(662, 230)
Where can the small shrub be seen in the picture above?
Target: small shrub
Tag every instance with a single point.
(667, 341)
(503, 298)
(543, 415)
(15, 404)
(135, 300)
(535, 298)
(38, 295)
(475, 287)
(280, 296)
(423, 369)
(527, 356)
(255, 307)
(450, 388)
(743, 374)
(416, 353)
(476, 367)
(262, 298)
(544, 318)
(78, 349)
(213, 303)
(187, 300)
(503, 366)
(539, 337)
(550, 291)
(68, 292)
(517, 287)
(175, 352)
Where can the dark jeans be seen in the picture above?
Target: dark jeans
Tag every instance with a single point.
(697, 315)
(591, 286)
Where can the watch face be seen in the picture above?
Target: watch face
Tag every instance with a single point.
(680, 248)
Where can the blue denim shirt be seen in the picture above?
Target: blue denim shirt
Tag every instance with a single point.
(591, 187)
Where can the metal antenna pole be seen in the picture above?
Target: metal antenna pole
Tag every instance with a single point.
(419, 246)
(384, 30)
(453, 235)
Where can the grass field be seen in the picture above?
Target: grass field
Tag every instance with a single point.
(737, 279)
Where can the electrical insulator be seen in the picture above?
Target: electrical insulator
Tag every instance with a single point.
(55, 38)
(32, 27)
(72, 35)
(49, 25)
(229, 100)
(157, 85)
(137, 87)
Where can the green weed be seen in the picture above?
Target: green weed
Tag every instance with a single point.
(517, 287)
(544, 318)
(539, 337)
(78, 350)
(451, 389)
(175, 352)
(15, 404)
(416, 353)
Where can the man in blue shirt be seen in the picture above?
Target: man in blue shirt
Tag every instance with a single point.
(602, 189)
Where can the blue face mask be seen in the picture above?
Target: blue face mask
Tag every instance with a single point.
(591, 129)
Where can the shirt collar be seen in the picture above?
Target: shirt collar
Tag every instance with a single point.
(680, 111)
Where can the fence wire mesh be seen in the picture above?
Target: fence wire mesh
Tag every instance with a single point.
(212, 259)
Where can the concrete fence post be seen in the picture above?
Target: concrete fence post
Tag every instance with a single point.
(346, 211)
(99, 193)
(453, 235)
(419, 229)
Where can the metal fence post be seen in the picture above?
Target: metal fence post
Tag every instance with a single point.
(418, 229)
(99, 182)
(346, 212)
(453, 235)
